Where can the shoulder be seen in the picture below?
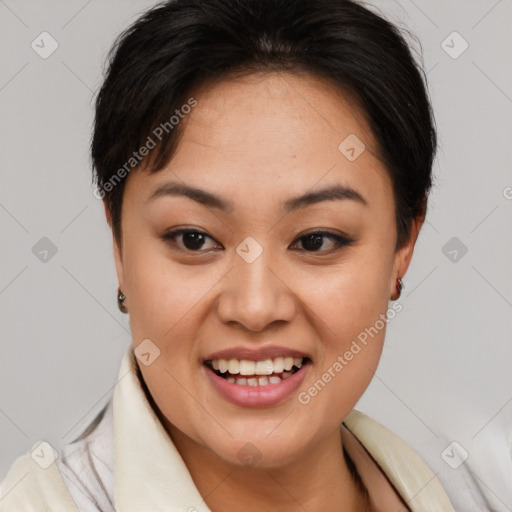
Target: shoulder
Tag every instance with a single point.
(77, 478)
(406, 470)
(32, 487)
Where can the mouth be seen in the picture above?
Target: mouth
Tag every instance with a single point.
(252, 373)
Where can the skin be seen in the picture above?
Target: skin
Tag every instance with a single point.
(258, 141)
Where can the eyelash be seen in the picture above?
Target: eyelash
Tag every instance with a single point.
(341, 241)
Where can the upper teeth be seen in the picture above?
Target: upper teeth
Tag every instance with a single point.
(266, 367)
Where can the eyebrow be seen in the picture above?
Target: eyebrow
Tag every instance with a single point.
(336, 192)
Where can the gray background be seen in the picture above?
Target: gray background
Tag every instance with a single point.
(446, 370)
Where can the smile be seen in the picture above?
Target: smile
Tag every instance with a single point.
(250, 383)
(256, 373)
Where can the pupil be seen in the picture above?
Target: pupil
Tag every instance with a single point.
(193, 240)
(313, 242)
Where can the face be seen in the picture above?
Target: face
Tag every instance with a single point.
(262, 245)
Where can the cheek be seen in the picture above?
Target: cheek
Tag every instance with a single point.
(161, 292)
(352, 327)
(353, 296)
(350, 309)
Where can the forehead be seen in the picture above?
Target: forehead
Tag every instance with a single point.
(280, 107)
(273, 131)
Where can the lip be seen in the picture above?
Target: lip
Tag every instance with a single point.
(257, 396)
(251, 354)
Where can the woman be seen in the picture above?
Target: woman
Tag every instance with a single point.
(264, 167)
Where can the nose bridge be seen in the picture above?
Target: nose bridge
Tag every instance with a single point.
(254, 295)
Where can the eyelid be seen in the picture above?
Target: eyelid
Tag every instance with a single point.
(325, 232)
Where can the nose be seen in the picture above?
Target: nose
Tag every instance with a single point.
(255, 296)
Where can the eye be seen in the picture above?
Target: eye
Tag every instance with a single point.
(315, 241)
(189, 240)
(195, 240)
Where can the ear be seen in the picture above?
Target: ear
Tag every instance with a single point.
(404, 254)
(118, 254)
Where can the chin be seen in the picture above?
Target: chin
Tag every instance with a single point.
(258, 450)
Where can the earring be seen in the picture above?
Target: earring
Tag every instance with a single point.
(121, 297)
(399, 288)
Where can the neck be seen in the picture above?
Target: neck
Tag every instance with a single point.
(317, 480)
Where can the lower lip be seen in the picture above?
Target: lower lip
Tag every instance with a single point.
(257, 396)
